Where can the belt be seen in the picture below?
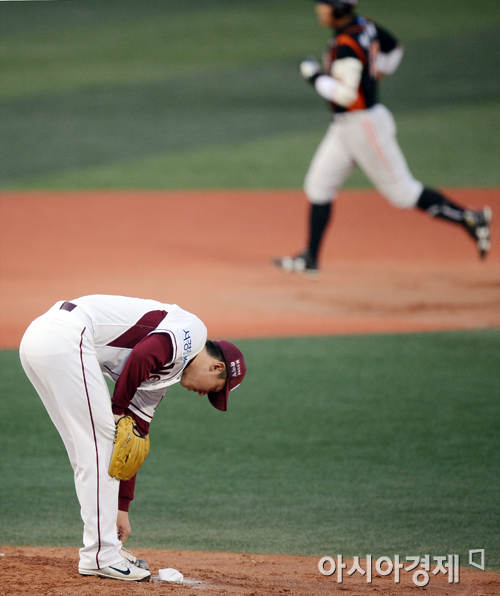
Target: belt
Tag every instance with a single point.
(78, 312)
(69, 306)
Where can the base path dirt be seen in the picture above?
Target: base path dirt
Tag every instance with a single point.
(53, 572)
(383, 269)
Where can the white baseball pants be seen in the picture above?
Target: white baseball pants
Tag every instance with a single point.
(58, 356)
(366, 138)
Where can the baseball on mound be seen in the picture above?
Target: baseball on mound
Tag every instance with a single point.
(171, 575)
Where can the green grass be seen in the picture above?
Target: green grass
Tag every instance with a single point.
(155, 46)
(381, 445)
(282, 160)
(63, 46)
(192, 93)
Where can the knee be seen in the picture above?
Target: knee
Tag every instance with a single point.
(405, 197)
(317, 195)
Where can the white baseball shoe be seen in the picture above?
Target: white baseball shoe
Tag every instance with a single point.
(131, 558)
(301, 264)
(123, 570)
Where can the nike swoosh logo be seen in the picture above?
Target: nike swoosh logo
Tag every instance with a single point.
(120, 571)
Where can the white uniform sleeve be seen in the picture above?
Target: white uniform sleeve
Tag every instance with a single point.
(342, 86)
(387, 64)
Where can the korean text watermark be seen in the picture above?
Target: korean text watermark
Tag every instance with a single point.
(421, 567)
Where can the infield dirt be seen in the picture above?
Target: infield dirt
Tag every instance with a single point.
(383, 270)
(52, 571)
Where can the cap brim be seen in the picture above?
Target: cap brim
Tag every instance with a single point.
(219, 399)
(232, 358)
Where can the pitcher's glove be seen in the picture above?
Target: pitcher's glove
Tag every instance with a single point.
(130, 450)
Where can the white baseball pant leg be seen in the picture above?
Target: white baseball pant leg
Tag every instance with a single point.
(330, 167)
(370, 137)
(58, 356)
(366, 138)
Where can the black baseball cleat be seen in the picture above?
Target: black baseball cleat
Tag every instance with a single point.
(301, 264)
(477, 224)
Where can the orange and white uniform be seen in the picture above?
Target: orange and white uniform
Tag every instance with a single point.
(363, 131)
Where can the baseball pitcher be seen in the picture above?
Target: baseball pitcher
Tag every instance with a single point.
(144, 346)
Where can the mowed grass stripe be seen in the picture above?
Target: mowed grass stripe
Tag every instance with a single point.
(204, 76)
(439, 156)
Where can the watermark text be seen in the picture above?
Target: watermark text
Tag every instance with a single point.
(421, 567)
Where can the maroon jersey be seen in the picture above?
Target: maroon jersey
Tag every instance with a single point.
(361, 39)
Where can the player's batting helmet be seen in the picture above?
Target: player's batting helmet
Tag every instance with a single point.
(338, 3)
(341, 7)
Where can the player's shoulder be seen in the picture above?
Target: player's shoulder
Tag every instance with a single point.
(363, 31)
(386, 39)
(355, 38)
(187, 331)
(359, 29)
(183, 324)
(362, 26)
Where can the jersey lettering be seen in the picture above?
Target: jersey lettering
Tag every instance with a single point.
(368, 35)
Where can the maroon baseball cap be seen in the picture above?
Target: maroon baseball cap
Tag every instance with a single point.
(236, 370)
